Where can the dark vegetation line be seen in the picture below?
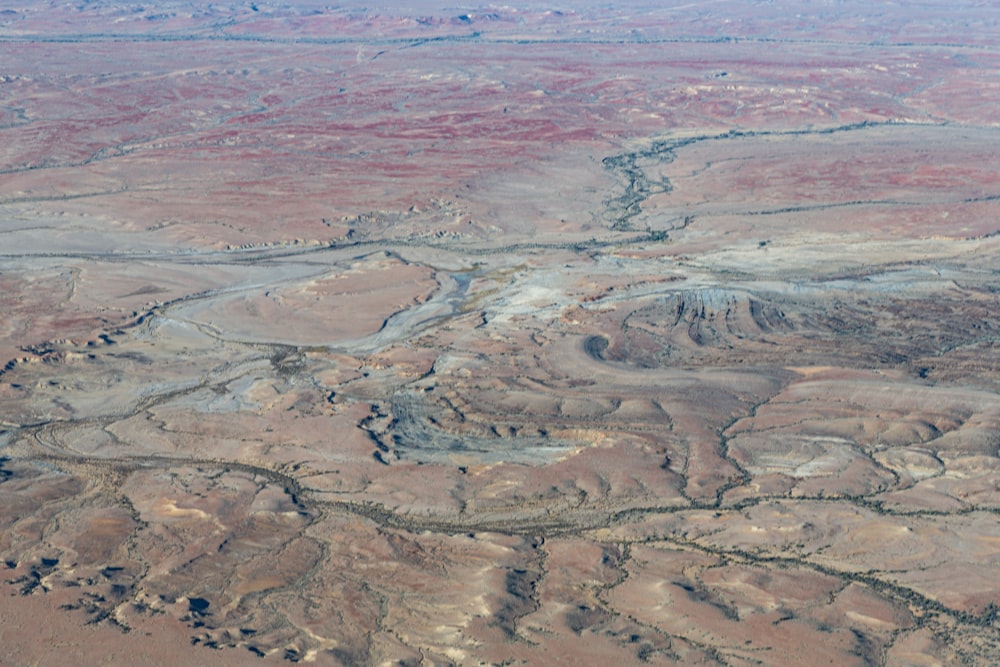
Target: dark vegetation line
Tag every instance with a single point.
(868, 202)
(638, 186)
(280, 251)
(473, 38)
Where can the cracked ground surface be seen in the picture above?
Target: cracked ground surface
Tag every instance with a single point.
(650, 335)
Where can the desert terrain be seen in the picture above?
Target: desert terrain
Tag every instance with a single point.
(422, 334)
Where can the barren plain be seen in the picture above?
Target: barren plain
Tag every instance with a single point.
(645, 333)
